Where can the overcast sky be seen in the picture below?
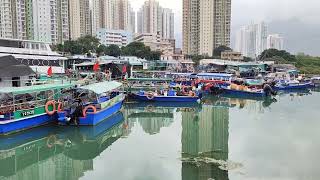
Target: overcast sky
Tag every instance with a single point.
(246, 11)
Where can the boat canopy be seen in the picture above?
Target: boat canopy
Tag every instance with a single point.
(224, 75)
(254, 82)
(150, 79)
(102, 87)
(35, 88)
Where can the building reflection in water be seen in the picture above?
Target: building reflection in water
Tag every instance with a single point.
(49, 153)
(151, 119)
(205, 134)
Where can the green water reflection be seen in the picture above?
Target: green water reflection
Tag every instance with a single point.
(161, 141)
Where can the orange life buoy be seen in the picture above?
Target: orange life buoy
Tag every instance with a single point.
(60, 107)
(192, 94)
(53, 104)
(150, 95)
(84, 112)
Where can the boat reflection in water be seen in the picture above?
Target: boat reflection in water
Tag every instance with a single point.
(205, 135)
(55, 152)
(199, 131)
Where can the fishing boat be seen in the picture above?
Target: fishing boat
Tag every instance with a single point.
(245, 91)
(292, 85)
(30, 106)
(137, 84)
(93, 104)
(170, 96)
(316, 80)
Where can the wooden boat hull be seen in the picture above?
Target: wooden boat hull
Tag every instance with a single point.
(8, 127)
(166, 98)
(243, 94)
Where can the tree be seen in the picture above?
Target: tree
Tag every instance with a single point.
(217, 51)
(274, 54)
(113, 50)
(88, 44)
(155, 55)
(247, 59)
(101, 50)
(72, 47)
(196, 58)
(140, 50)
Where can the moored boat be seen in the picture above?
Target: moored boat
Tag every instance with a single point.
(293, 85)
(243, 93)
(30, 106)
(94, 103)
(316, 80)
(171, 96)
(248, 91)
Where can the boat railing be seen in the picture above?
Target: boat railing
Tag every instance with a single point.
(112, 101)
(28, 105)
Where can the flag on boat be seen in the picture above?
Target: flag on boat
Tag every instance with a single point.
(49, 72)
(96, 66)
(124, 69)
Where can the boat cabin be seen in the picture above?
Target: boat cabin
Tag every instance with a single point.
(23, 102)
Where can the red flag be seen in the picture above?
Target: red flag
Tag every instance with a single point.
(124, 69)
(96, 66)
(49, 71)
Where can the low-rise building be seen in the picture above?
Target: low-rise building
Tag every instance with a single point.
(114, 37)
(231, 55)
(13, 73)
(156, 43)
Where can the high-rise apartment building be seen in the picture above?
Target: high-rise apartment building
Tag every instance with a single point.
(167, 29)
(112, 15)
(275, 41)
(80, 19)
(59, 11)
(6, 19)
(251, 40)
(19, 19)
(46, 21)
(191, 26)
(149, 17)
(206, 25)
(154, 19)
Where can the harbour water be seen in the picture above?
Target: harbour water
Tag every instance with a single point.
(225, 138)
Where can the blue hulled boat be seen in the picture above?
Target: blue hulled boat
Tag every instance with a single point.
(95, 103)
(288, 86)
(31, 106)
(170, 97)
(242, 93)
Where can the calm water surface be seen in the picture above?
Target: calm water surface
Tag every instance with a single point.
(225, 138)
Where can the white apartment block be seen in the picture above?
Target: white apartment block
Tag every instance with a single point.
(112, 14)
(275, 41)
(251, 40)
(59, 10)
(114, 37)
(6, 19)
(150, 17)
(39, 20)
(167, 24)
(40, 24)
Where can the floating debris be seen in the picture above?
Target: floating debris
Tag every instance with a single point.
(223, 165)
